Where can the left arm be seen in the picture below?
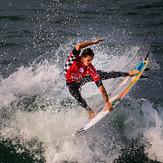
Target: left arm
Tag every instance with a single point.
(105, 96)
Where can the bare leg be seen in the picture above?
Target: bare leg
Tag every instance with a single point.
(74, 89)
(133, 72)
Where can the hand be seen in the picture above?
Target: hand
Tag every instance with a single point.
(97, 41)
(109, 107)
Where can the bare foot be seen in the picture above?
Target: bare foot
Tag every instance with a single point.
(133, 72)
(91, 114)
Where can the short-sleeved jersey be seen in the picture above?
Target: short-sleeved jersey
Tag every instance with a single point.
(75, 70)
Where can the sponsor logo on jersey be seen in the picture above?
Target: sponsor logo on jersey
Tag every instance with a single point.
(81, 69)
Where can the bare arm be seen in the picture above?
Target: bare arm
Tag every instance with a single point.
(105, 96)
(85, 44)
(104, 93)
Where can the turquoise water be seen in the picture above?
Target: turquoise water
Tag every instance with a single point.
(37, 113)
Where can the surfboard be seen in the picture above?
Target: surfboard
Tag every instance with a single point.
(116, 96)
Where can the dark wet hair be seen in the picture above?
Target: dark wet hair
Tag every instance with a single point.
(87, 52)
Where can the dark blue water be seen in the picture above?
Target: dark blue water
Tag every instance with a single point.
(37, 114)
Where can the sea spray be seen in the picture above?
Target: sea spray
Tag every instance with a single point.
(40, 108)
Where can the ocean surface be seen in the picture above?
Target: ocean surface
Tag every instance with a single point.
(37, 114)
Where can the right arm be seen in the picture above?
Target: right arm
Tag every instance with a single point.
(101, 87)
(105, 96)
(85, 44)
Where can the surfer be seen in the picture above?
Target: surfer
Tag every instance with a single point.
(79, 70)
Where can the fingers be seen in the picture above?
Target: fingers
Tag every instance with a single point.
(97, 41)
(111, 109)
(101, 39)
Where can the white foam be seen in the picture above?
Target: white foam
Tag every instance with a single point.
(27, 81)
(154, 133)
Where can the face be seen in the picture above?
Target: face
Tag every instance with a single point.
(87, 60)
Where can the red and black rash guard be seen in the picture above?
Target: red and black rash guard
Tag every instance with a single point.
(75, 70)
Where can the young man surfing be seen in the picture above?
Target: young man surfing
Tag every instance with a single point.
(79, 70)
